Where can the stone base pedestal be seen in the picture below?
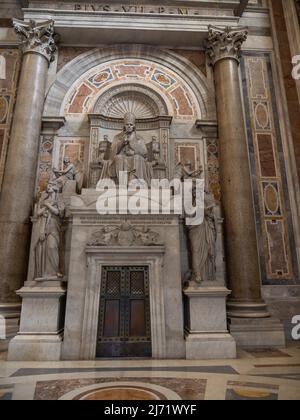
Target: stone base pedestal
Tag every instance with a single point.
(267, 332)
(41, 327)
(9, 323)
(35, 348)
(210, 346)
(206, 331)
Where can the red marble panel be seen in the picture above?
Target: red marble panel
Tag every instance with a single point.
(181, 102)
(289, 82)
(2, 134)
(76, 106)
(266, 155)
(187, 153)
(67, 54)
(198, 58)
(132, 70)
(74, 151)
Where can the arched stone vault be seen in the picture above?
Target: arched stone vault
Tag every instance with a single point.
(199, 88)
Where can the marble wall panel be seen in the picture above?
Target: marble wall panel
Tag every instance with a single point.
(186, 151)
(275, 231)
(198, 58)
(213, 167)
(266, 155)
(67, 54)
(45, 162)
(289, 83)
(8, 87)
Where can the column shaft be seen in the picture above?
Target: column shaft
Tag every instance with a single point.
(16, 200)
(19, 179)
(237, 198)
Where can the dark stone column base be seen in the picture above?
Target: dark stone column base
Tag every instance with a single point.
(9, 323)
(259, 333)
(242, 309)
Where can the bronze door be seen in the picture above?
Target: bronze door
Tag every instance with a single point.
(124, 319)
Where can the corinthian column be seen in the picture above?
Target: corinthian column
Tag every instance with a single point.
(17, 193)
(223, 49)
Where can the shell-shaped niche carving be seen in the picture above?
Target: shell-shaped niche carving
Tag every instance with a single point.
(119, 105)
(141, 101)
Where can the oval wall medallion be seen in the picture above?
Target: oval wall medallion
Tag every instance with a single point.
(271, 199)
(3, 109)
(262, 115)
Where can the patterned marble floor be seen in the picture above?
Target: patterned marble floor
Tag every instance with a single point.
(266, 374)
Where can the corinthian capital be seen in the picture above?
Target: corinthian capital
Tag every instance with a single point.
(225, 43)
(37, 37)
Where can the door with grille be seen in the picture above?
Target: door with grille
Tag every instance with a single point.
(124, 319)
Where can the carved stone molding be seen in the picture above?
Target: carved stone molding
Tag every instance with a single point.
(52, 124)
(224, 43)
(125, 235)
(98, 120)
(37, 37)
(208, 127)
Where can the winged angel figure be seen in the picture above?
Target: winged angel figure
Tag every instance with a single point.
(37, 35)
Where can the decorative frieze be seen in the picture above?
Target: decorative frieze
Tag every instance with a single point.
(125, 235)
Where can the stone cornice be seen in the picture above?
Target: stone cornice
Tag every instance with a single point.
(52, 124)
(225, 43)
(38, 38)
(223, 4)
(111, 28)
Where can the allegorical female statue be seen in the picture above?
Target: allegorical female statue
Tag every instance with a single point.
(47, 233)
(203, 243)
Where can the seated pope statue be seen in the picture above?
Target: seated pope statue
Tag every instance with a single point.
(129, 154)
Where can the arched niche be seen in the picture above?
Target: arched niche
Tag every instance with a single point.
(152, 122)
(131, 97)
(96, 70)
(188, 76)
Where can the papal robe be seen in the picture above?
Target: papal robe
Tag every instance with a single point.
(131, 158)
